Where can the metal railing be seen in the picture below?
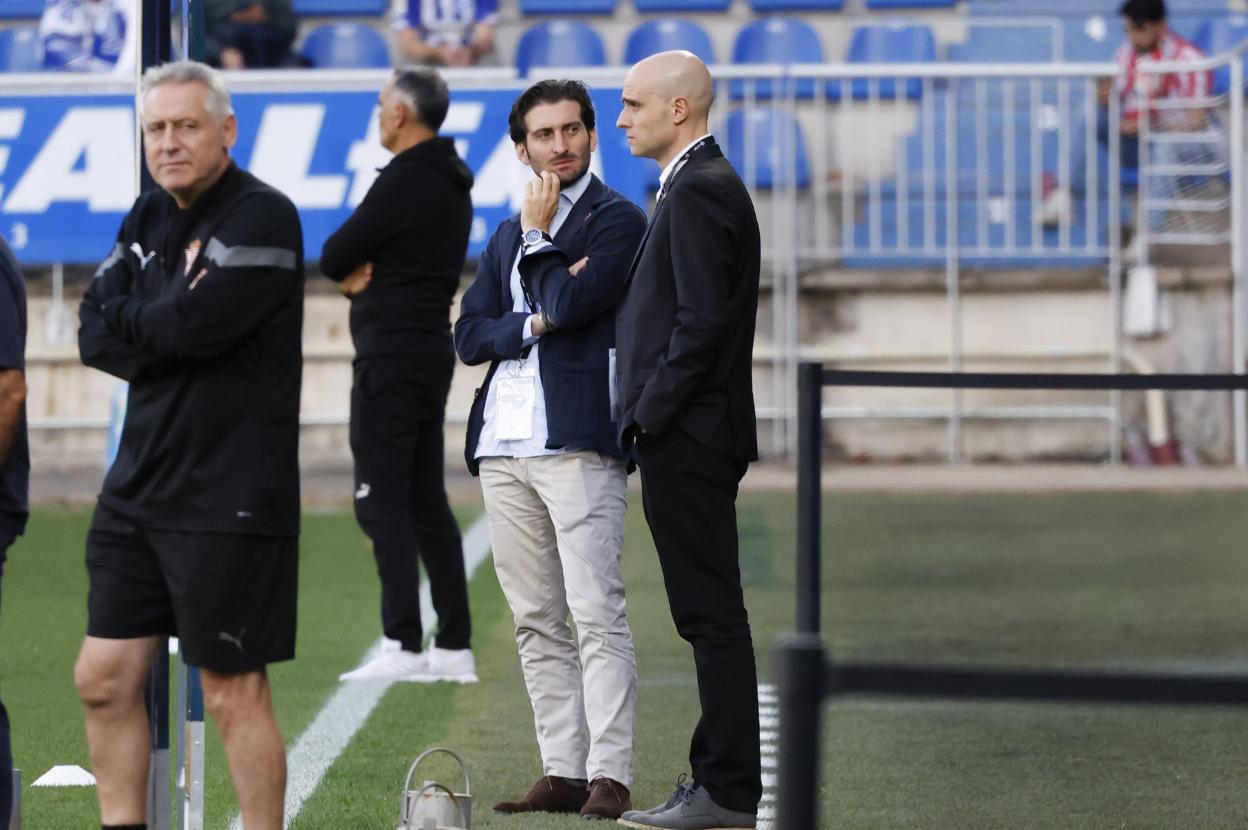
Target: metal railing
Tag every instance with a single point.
(1192, 189)
(940, 168)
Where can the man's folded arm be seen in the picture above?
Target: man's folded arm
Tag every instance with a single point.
(485, 331)
(571, 302)
(98, 346)
(251, 268)
(371, 225)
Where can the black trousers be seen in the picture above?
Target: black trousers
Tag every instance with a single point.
(397, 412)
(689, 492)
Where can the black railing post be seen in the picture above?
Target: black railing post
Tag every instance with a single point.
(800, 676)
(809, 464)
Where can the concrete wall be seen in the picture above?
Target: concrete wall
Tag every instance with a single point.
(1015, 321)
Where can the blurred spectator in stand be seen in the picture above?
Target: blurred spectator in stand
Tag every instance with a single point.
(447, 32)
(84, 35)
(250, 34)
(1196, 137)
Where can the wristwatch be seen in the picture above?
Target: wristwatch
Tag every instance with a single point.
(534, 236)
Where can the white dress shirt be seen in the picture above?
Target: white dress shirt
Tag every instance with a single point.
(488, 445)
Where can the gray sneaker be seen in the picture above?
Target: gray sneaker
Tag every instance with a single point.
(693, 810)
(683, 784)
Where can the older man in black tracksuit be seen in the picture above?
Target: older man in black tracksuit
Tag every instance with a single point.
(399, 258)
(200, 307)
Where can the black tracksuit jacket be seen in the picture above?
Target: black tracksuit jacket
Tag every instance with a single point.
(201, 310)
(413, 226)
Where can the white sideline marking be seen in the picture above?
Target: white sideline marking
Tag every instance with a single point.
(769, 719)
(343, 715)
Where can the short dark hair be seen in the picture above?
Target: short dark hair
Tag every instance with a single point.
(1140, 12)
(425, 94)
(549, 92)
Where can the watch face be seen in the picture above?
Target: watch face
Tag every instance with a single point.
(532, 237)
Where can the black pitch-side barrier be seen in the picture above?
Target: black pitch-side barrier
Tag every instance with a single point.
(806, 675)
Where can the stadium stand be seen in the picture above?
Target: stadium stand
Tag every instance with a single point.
(345, 46)
(647, 6)
(567, 6)
(1003, 164)
(1004, 44)
(19, 49)
(891, 42)
(1216, 35)
(784, 40)
(340, 8)
(559, 43)
(911, 4)
(779, 147)
(655, 36)
(796, 5)
(18, 9)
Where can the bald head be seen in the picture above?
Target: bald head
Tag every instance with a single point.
(678, 75)
(667, 100)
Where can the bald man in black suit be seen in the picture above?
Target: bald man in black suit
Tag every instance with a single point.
(684, 341)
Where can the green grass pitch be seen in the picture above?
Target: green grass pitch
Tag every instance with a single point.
(1128, 581)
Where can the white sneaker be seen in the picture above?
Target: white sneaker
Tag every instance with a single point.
(391, 665)
(456, 665)
(390, 645)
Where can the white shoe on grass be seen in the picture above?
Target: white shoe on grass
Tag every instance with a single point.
(454, 664)
(391, 665)
(390, 645)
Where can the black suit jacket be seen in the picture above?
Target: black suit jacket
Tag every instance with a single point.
(685, 329)
(603, 225)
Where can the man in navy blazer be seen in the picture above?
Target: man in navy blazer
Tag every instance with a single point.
(541, 310)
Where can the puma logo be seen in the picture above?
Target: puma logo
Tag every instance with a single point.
(138, 251)
(364, 492)
(226, 637)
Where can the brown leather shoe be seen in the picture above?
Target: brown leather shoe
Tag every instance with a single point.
(607, 800)
(551, 794)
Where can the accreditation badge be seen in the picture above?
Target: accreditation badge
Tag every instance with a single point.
(613, 388)
(516, 397)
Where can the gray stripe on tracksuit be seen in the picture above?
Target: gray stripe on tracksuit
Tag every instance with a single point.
(247, 256)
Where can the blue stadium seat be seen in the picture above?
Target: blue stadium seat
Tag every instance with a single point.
(21, 8)
(889, 43)
(775, 144)
(1217, 35)
(911, 4)
(1004, 44)
(783, 40)
(340, 8)
(1090, 38)
(645, 6)
(559, 43)
(655, 36)
(567, 6)
(346, 46)
(797, 5)
(20, 50)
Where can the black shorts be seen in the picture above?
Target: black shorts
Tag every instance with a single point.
(228, 598)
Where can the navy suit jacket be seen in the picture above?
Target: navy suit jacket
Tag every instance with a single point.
(604, 226)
